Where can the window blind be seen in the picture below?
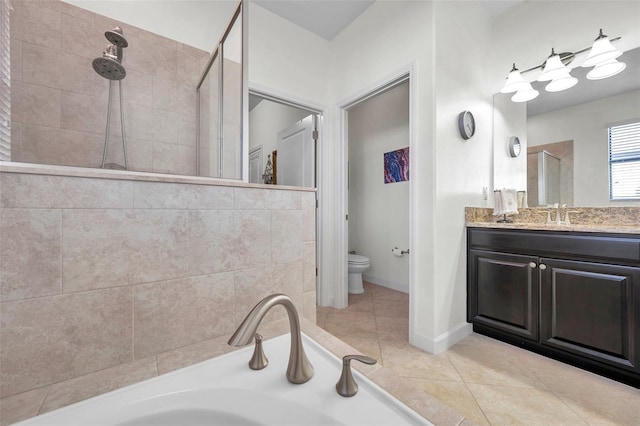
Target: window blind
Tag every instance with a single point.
(5, 82)
(624, 162)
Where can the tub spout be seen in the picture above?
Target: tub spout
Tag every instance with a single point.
(300, 369)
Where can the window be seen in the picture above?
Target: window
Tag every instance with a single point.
(624, 162)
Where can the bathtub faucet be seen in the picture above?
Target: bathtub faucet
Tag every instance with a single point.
(300, 369)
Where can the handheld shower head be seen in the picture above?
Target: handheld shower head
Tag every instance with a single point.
(116, 37)
(110, 65)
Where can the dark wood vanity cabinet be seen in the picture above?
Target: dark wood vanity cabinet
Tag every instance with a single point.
(573, 296)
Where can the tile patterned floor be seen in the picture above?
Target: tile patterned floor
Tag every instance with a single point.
(488, 381)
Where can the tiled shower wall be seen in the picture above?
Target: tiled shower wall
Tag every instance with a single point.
(59, 103)
(97, 273)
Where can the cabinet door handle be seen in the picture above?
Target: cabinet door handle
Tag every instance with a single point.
(532, 264)
(543, 266)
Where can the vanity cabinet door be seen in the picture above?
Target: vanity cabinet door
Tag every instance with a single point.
(503, 292)
(592, 310)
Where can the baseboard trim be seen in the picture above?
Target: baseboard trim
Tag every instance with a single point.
(386, 283)
(443, 342)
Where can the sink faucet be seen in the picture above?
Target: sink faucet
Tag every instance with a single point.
(300, 369)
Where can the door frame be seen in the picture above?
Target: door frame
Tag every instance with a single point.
(406, 73)
(322, 158)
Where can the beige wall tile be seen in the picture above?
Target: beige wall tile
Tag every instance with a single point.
(34, 104)
(30, 253)
(76, 75)
(165, 127)
(158, 245)
(176, 313)
(51, 339)
(138, 119)
(107, 248)
(83, 112)
(253, 243)
(90, 385)
(189, 355)
(160, 195)
(79, 36)
(138, 87)
(173, 158)
(95, 248)
(138, 152)
(286, 236)
(308, 216)
(252, 285)
(46, 145)
(309, 306)
(37, 25)
(21, 406)
(212, 235)
(309, 266)
(16, 61)
(68, 9)
(165, 93)
(186, 100)
(190, 68)
(41, 191)
(260, 199)
(187, 130)
(41, 65)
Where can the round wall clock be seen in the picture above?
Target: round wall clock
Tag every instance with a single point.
(466, 124)
(514, 146)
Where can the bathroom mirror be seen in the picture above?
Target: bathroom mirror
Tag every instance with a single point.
(65, 113)
(571, 127)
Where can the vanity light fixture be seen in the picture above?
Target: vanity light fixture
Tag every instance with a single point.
(516, 83)
(558, 73)
(601, 51)
(606, 69)
(602, 57)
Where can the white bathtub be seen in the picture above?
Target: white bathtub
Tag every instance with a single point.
(224, 391)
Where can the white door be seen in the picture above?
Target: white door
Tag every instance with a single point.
(296, 154)
(255, 165)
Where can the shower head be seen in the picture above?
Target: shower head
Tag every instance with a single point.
(116, 38)
(109, 67)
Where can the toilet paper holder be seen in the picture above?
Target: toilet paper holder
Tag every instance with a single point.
(395, 251)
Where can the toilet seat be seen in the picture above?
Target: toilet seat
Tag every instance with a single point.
(355, 259)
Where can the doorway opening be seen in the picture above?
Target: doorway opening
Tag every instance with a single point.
(379, 216)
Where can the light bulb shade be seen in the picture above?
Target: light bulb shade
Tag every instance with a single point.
(526, 93)
(601, 52)
(553, 69)
(561, 84)
(607, 69)
(514, 82)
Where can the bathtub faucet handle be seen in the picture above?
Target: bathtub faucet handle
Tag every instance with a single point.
(347, 386)
(259, 359)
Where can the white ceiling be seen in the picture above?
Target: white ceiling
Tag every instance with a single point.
(327, 18)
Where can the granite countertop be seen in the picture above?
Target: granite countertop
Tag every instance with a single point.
(619, 220)
(619, 229)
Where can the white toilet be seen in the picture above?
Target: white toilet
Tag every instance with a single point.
(357, 265)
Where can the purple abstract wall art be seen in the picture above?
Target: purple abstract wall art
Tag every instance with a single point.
(396, 165)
